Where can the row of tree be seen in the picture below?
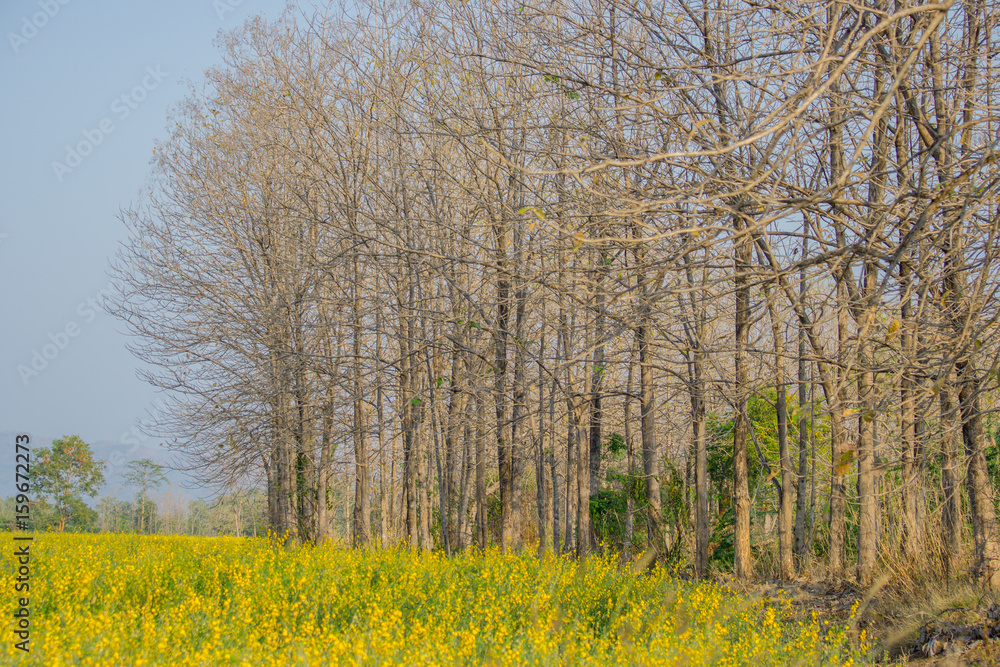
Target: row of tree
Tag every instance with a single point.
(478, 264)
(64, 475)
(240, 514)
(243, 514)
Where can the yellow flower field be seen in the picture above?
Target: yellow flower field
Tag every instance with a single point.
(138, 600)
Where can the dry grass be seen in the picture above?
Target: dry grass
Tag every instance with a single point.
(909, 601)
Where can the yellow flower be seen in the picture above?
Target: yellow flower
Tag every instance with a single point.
(121, 599)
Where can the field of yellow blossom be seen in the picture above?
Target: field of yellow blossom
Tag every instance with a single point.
(158, 600)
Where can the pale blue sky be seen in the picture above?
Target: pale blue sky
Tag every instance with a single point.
(63, 85)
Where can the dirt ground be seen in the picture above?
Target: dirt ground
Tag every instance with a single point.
(939, 631)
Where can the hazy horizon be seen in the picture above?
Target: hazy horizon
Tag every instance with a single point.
(91, 85)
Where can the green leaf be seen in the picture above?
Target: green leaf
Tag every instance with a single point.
(539, 213)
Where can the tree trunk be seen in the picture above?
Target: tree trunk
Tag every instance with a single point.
(981, 501)
(541, 497)
(804, 424)
(650, 458)
(362, 510)
(598, 367)
(505, 453)
(569, 541)
(912, 528)
(951, 465)
(785, 534)
(630, 452)
(481, 507)
(554, 472)
(743, 566)
(703, 529)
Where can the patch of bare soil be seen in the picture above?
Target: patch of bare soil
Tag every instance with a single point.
(830, 601)
(908, 631)
(972, 639)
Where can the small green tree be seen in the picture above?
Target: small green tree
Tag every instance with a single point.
(144, 474)
(65, 473)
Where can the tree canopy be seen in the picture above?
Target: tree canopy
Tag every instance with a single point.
(66, 472)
